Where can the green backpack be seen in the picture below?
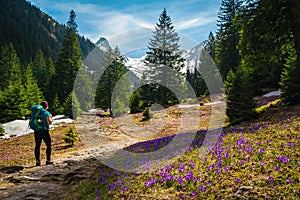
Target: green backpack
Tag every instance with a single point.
(37, 119)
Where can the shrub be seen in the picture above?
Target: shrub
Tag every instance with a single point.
(135, 103)
(71, 136)
(147, 114)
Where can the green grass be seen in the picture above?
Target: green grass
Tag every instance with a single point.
(264, 156)
(261, 109)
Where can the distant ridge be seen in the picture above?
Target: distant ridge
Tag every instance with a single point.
(29, 29)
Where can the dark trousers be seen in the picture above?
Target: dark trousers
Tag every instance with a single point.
(39, 136)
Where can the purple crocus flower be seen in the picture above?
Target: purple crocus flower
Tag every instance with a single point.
(261, 150)
(202, 188)
(262, 163)
(271, 179)
(238, 180)
(288, 181)
(180, 181)
(286, 160)
(192, 164)
(227, 168)
(277, 168)
(181, 169)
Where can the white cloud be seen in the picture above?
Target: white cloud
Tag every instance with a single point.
(95, 20)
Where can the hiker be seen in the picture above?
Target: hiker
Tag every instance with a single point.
(42, 133)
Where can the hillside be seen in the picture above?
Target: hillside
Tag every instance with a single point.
(29, 29)
(252, 160)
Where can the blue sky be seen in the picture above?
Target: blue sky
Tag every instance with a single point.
(105, 18)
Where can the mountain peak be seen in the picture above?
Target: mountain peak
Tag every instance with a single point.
(103, 43)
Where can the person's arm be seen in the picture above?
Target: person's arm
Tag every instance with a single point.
(49, 120)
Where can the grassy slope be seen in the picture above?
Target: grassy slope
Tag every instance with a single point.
(263, 155)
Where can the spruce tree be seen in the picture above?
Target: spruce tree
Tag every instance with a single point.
(10, 68)
(290, 81)
(72, 106)
(68, 62)
(164, 52)
(32, 91)
(83, 88)
(114, 64)
(48, 77)
(55, 106)
(13, 103)
(227, 55)
(39, 70)
(210, 46)
(135, 102)
(240, 102)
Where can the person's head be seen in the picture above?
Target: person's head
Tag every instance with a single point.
(45, 104)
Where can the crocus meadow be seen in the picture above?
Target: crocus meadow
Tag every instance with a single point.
(261, 157)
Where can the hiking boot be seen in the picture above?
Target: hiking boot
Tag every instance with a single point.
(49, 162)
(38, 163)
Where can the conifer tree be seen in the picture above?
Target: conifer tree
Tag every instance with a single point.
(72, 106)
(68, 62)
(55, 106)
(164, 52)
(115, 69)
(82, 87)
(10, 69)
(240, 102)
(210, 46)
(48, 77)
(290, 81)
(13, 102)
(227, 55)
(32, 91)
(39, 70)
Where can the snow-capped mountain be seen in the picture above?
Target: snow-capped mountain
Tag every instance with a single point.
(103, 44)
(192, 59)
(137, 65)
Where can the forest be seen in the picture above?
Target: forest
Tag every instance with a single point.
(255, 155)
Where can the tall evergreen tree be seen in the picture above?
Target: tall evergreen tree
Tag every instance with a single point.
(39, 70)
(48, 78)
(10, 68)
(227, 55)
(68, 62)
(164, 52)
(114, 64)
(210, 46)
(32, 91)
(290, 81)
(13, 102)
(72, 106)
(240, 103)
(264, 31)
(83, 88)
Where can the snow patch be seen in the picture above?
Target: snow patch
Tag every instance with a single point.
(270, 94)
(18, 128)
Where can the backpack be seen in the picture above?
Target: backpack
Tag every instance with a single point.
(37, 119)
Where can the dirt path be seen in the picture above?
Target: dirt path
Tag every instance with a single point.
(53, 181)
